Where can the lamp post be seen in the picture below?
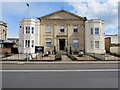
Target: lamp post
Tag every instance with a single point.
(27, 31)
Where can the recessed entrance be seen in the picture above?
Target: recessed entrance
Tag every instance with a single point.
(62, 44)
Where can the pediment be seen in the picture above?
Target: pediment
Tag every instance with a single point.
(62, 14)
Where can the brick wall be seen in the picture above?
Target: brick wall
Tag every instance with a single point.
(4, 50)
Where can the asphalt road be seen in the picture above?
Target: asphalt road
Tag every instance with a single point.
(60, 76)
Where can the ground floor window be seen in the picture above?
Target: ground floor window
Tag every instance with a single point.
(27, 43)
(91, 44)
(48, 43)
(75, 44)
(32, 43)
(96, 44)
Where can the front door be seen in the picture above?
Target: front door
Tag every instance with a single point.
(62, 44)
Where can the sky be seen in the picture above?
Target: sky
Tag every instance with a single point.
(107, 10)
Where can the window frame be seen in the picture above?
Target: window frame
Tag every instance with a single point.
(75, 30)
(97, 31)
(32, 30)
(27, 43)
(62, 28)
(48, 28)
(76, 44)
(32, 42)
(27, 29)
(97, 47)
(48, 43)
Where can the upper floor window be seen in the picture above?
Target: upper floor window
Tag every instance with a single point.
(75, 43)
(91, 30)
(27, 29)
(32, 30)
(96, 30)
(48, 28)
(96, 44)
(48, 43)
(75, 28)
(61, 28)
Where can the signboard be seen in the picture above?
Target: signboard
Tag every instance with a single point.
(39, 49)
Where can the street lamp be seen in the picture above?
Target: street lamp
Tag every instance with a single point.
(27, 29)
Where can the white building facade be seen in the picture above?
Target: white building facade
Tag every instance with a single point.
(94, 36)
(31, 31)
(29, 35)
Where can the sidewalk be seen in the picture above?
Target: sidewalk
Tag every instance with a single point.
(60, 62)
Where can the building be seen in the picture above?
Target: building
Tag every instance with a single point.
(94, 36)
(15, 40)
(112, 43)
(62, 30)
(29, 35)
(3, 30)
(7, 46)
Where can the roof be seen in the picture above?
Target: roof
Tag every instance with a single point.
(84, 18)
(6, 41)
(111, 35)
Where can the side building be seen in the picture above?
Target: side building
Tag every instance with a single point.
(3, 30)
(29, 35)
(94, 36)
(112, 44)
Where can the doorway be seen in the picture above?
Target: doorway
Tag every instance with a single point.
(62, 44)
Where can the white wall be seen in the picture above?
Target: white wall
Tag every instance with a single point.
(23, 36)
(99, 37)
(115, 50)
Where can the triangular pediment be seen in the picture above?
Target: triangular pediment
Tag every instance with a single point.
(62, 14)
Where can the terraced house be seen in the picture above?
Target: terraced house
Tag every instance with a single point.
(62, 30)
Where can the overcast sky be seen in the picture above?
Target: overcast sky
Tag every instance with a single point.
(106, 10)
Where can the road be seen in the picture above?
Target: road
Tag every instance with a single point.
(60, 76)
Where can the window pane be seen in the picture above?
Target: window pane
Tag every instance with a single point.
(75, 28)
(96, 30)
(61, 28)
(32, 43)
(32, 30)
(96, 44)
(25, 43)
(75, 43)
(27, 29)
(48, 43)
(48, 28)
(28, 43)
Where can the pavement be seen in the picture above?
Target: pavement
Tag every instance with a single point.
(59, 62)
